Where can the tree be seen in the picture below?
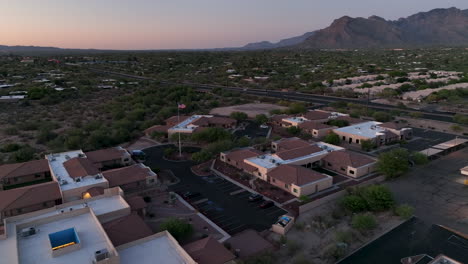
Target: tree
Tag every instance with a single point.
(354, 203)
(25, 153)
(296, 108)
(367, 145)
(382, 116)
(261, 119)
(293, 130)
(338, 123)
(333, 139)
(364, 222)
(461, 119)
(377, 197)
(393, 163)
(211, 134)
(419, 158)
(239, 116)
(179, 229)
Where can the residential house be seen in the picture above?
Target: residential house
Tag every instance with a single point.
(298, 180)
(349, 163)
(109, 158)
(317, 130)
(132, 177)
(28, 199)
(23, 173)
(236, 158)
(373, 131)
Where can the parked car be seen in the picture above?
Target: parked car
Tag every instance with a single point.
(255, 197)
(191, 195)
(266, 204)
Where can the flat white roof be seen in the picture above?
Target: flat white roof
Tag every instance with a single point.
(56, 161)
(367, 129)
(158, 250)
(37, 249)
(186, 125)
(11, 245)
(271, 161)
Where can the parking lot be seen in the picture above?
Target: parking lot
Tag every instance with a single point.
(223, 202)
(252, 130)
(427, 138)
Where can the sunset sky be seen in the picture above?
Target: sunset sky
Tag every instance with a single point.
(177, 24)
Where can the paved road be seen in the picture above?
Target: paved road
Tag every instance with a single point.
(439, 116)
(233, 213)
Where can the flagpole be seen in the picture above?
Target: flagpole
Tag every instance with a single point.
(178, 121)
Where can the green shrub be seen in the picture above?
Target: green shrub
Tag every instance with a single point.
(377, 197)
(404, 211)
(332, 138)
(419, 158)
(10, 147)
(345, 236)
(179, 229)
(364, 222)
(354, 203)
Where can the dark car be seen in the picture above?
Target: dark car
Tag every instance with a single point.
(266, 204)
(191, 195)
(255, 197)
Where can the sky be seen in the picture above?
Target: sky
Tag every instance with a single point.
(183, 24)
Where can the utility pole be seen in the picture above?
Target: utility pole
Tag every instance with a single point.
(178, 121)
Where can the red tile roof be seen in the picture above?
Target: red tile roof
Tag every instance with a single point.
(24, 169)
(309, 125)
(348, 158)
(126, 175)
(106, 154)
(316, 115)
(80, 167)
(241, 154)
(291, 143)
(209, 251)
(136, 202)
(294, 174)
(30, 195)
(298, 152)
(126, 229)
(397, 125)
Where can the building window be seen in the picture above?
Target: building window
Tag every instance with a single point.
(344, 138)
(351, 172)
(357, 141)
(44, 204)
(19, 211)
(37, 175)
(273, 180)
(151, 180)
(343, 169)
(126, 160)
(295, 190)
(15, 179)
(328, 164)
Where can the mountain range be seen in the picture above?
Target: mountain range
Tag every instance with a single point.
(438, 27)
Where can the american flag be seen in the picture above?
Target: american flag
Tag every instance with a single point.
(181, 106)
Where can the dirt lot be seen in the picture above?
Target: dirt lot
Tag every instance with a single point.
(250, 109)
(437, 192)
(317, 234)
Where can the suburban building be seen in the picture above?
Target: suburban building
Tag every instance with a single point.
(308, 156)
(109, 158)
(85, 231)
(298, 180)
(75, 174)
(373, 131)
(236, 158)
(132, 177)
(23, 173)
(28, 199)
(209, 251)
(314, 116)
(317, 130)
(288, 144)
(349, 163)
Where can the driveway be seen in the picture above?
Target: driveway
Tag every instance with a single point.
(437, 191)
(221, 201)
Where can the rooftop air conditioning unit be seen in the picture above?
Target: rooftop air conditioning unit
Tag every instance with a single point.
(272, 161)
(99, 176)
(81, 155)
(28, 232)
(63, 182)
(67, 157)
(101, 255)
(53, 159)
